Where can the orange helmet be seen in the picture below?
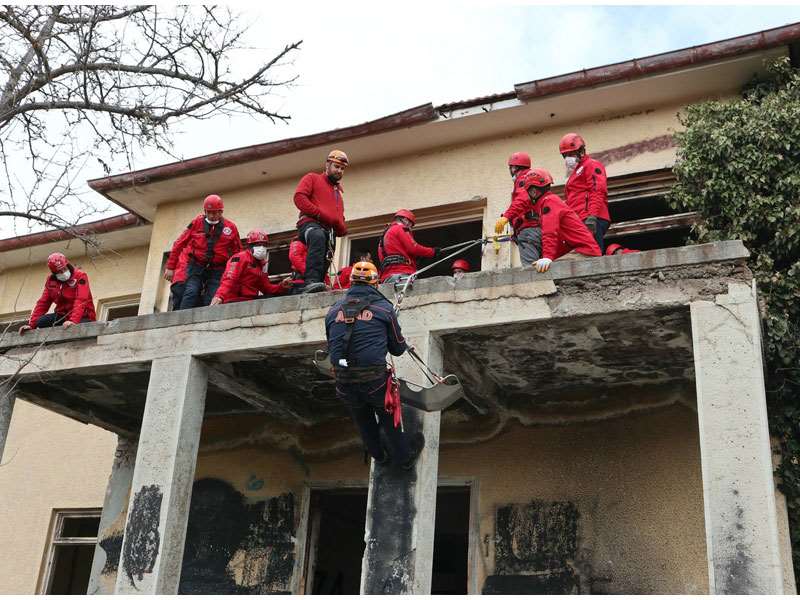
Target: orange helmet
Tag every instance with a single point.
(338, 156)
(537, 177)
(570, 143)
(520, 159)
(364, 272)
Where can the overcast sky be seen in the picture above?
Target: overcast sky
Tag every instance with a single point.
(361, 62)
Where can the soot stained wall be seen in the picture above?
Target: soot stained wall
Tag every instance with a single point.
(236, 547)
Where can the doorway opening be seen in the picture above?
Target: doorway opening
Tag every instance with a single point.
(335, 545)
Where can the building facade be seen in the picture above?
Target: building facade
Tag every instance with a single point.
(613, 434)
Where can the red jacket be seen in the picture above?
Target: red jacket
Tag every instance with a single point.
(244, 278)
(398, 243)
(73, 298)
(562, 230)
(342, 280)
(520, 212)
(195, 236)
(611, 248)
(320, 200)
(586, 189)
(297, 259)
(183, 266)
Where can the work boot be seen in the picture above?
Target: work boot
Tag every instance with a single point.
(416, 444)
(312, 288)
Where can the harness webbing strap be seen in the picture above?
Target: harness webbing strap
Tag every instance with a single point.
(213, 232)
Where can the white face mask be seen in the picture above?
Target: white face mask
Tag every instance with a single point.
(210, 222)
(63, 275)
(571, 162)
(260, 252)
(458, 274)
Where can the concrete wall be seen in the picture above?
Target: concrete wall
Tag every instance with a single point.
(49, 462)
(634, 483)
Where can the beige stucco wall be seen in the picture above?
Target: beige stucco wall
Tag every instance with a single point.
(635, 480)
(112, 273)
(49, 462)
(440, 176)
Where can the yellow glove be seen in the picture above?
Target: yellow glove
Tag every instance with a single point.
(500, 225)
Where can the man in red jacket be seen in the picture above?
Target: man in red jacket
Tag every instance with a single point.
(562, 230)
(246, 273)
(398, 251)
(179, 279)
(524, 222)
(211, 240)
(586, 189)
(67, 288)
(342, 279)
(613, 249)
(319, 197)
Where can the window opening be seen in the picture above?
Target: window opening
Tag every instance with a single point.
(70, 551)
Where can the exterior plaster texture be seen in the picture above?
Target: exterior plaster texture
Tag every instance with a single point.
(440, 176)
(112, 274)
(49, 462)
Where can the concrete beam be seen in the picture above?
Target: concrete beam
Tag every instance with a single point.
(742, 539)
(7, 399)
(105, 565)
(401, 505)
(155, 529)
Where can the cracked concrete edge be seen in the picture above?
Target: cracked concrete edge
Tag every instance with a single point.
(603, 266)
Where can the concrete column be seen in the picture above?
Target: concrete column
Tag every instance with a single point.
(105, 564)
(401, 506)
(742, 539)
(155, 528)
(7, 399)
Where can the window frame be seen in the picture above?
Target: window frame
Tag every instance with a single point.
(56, 540)
(106, 304)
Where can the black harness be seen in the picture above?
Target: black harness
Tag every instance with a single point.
(352, 308)
(390, 260)
(212, 233)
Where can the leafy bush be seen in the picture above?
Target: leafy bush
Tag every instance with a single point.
(739, 166)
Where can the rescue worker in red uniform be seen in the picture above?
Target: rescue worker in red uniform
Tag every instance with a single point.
(523, 220)
(67, 288)
(179, 279)
(211, 240)
(586, 190)
(398, 251)
(319, 197)
(342, 279)
(562, 229)
(460, 267)
(613, 249)
(361, 329)
(246, 273)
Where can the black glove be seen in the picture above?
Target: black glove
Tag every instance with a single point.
(437, 253)
(591, 224)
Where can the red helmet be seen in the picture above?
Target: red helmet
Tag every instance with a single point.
(537, 177)
(57, 262)
(407, 214)
(460, 264)
(570, 143)
(257, 236)
(520, 159)
(213, 202)
(338, 156)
